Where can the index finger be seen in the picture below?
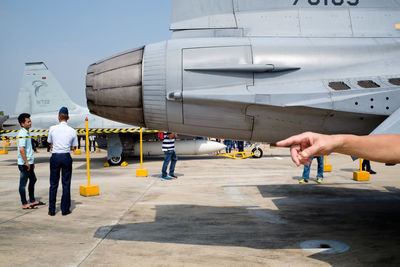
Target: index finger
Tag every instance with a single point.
(296, 139)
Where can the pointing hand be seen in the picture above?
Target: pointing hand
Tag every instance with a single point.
(309, 144)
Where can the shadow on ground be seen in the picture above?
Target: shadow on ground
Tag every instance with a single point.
(367, 220)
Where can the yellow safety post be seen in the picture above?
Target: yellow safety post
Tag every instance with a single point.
(327, 167)
(4, 151)
(361, 175)
(141, 172)
(88, 190)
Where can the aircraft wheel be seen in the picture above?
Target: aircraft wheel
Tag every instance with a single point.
(114, 161)
(258, 153)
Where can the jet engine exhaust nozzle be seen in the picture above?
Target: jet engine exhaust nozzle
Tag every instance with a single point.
(114, 87)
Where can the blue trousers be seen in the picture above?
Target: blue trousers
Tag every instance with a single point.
(306, 171)
(60, 162)
(24, 176)
(169, 156)
(228, 144)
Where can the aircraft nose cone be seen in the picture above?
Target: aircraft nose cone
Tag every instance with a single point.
(114, 87)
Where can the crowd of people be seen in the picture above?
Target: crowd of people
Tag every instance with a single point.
(62, 139)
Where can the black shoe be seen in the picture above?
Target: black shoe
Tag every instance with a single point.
(52, 213)
(173, 176)
(66, 213)
(372, 172)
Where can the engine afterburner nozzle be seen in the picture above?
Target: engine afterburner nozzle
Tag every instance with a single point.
(114, 87)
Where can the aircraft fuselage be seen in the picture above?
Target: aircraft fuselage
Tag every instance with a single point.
(261, 89)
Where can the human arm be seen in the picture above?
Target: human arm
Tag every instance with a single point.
(172, 135)
(50, 139)
(23, 155)
(381, 148)
(74, 142)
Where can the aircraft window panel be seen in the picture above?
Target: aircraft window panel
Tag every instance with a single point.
(395, 81)
(368, 84)
(339, 86)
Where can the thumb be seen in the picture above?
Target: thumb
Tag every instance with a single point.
(310, 151)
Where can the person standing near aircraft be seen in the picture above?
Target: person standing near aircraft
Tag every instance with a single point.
(228, 144)
(26, 164)
(366, 166)
(92, 141)
(62, 139)
(168, 146)
(306, 171)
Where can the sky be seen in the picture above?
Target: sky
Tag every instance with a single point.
(70, 35)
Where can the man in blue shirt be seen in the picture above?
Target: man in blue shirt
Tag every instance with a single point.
(62, 139)
(26, 164)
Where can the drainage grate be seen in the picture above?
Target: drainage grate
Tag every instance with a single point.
(324, 246)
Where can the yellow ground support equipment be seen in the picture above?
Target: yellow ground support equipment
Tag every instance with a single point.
(238, 155)
(327, 167)
(4, 151)
(141, 172)
(361, 175)
(88, 190)
(124, 164)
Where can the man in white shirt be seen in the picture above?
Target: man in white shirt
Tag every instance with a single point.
(62, 139)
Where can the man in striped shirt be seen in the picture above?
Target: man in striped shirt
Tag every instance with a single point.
(168, 146)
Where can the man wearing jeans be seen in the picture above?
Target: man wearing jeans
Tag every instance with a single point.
(320, 174)
(62, 139)
(168, 147)
(26, 164)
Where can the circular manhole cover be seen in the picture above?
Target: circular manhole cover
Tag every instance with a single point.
(324, 246)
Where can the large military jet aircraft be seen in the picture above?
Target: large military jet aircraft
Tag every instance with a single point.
(41, 95)
(260, 70)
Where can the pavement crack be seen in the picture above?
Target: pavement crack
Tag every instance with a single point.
(9, 220)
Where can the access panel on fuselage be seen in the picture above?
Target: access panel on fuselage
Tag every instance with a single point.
(209, 113)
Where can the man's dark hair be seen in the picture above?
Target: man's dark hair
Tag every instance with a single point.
(63, 117)
(22, 117)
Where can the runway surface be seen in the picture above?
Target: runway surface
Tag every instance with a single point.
(219, 212)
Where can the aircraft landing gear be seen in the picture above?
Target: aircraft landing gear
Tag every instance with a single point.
(114, 161)
(258, 153)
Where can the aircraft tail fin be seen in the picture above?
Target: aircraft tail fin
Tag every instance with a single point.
(40, 91)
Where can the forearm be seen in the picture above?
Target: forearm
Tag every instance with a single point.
(23, 154)
(380, 148)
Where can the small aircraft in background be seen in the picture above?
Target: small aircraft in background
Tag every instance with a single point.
(41, 95)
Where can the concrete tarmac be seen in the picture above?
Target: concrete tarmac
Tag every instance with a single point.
(219, 212)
